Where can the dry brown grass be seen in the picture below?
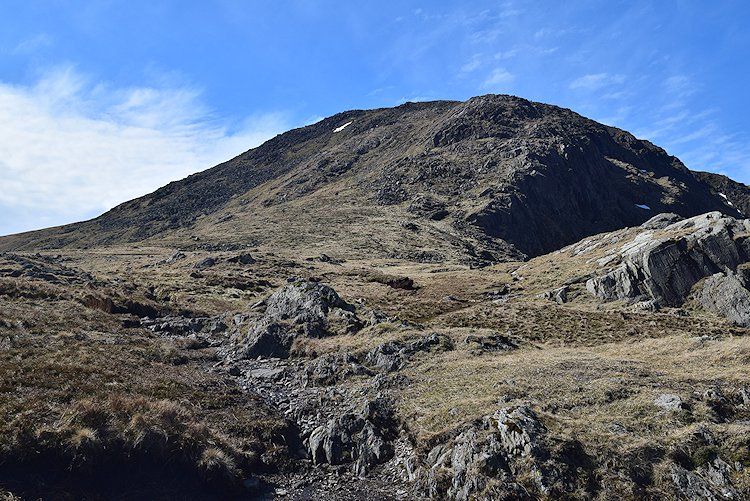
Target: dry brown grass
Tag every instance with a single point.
(592, 371)
(76, 388)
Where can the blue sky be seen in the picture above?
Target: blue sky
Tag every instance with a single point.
(103, 101)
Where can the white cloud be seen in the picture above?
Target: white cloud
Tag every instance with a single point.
(498, 77)
(472, 65)
(70, 148)
(32, 44)
(596, 81)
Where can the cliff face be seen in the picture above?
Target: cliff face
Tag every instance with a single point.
(495, 176)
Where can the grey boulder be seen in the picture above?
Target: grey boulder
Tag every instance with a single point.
(725, 295)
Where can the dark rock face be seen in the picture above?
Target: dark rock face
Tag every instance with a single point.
(512, 176)
(735, 194)
(667, 263)
(308, 309)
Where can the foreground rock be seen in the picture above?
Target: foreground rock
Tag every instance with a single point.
(665, 260)
(362, 438)
(299, 309)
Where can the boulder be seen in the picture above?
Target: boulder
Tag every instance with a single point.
(299, 309)
(559, 295)
(725, 295)
(669, 401)
(205, 263)
(244, 258)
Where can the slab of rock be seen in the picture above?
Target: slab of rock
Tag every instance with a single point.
(665, 263)
(496, 457)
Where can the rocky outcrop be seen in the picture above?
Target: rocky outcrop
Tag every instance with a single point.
(504, 456)
(391, 356)
(491, 343)
(333, 367)
(299, 309)
(709, 483)
(244, 258)
(665, 262)
(362, 438)
(41, 267)
(183, 326)
(204, 263)
(387, 357)
(669, 402)
(558, 295)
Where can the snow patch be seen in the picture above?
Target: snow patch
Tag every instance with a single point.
(726, 199)
(339, 129)
(645, 207)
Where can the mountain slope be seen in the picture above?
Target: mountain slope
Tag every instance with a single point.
(737, 194)
(492, 178)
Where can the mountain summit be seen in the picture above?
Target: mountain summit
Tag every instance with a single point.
(493, 178)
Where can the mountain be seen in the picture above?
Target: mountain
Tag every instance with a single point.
(490, 299)
(493, 178)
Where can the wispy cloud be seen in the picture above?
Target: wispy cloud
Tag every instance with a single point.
(498, 77)
(71, 147)
(32, 44)
(596, 81)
